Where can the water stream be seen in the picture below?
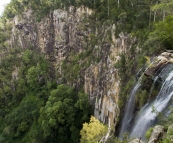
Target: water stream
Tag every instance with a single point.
(147, 117)
(129, 111)
(137, 126)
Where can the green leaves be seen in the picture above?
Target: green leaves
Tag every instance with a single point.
(61, 112)
(52, 122)
(22, 97)
(33, 76)
(164, 5)
(27, 56)
(92, 132)
(163, 32)
(21, 117)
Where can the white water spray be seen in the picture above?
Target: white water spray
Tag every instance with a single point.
(129, 111)
(146, 117)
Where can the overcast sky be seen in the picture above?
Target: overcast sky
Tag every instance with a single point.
(2, 3)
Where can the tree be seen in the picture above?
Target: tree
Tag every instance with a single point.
(33, 77)
(93, 131)
(62, 116)
(163, 31)
(19, 120)
(165, 7)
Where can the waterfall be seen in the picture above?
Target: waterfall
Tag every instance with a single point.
(128, 116)
(153, 85)
(129, 111)
(146, 118)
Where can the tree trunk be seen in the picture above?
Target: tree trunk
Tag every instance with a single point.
(154, 16)
(163, 15)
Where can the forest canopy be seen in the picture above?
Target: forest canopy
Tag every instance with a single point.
(34, 107)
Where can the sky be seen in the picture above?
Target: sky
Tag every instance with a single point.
(2, 3)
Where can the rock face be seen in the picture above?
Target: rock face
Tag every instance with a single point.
(157, 133)
(158, 63)
(102, 84)
(62, 32)
(136, 141)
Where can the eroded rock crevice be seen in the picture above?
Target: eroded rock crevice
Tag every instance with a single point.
(63, 36)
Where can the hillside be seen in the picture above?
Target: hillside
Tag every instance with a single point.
(63, 61)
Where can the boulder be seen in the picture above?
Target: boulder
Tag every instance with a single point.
(156, 65)
(156, 134)
(166, 54)
(151, 71)
(136, 141)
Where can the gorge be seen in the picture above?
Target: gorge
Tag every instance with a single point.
(63, 62)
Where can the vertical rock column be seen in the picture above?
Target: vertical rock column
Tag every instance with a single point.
(50, 45)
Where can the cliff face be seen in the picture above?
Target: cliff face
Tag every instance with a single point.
(62, 33)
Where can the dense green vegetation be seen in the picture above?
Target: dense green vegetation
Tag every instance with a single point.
(152, 41)
(128, 15)
(88, 132)
(34, 108)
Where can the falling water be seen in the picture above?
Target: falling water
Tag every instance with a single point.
(153, 85)
(146, 117)
(128, 116)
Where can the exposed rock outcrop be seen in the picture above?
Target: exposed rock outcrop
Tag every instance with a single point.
(136, 141)
(158, 63)
(62, 32)
(157, 133)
